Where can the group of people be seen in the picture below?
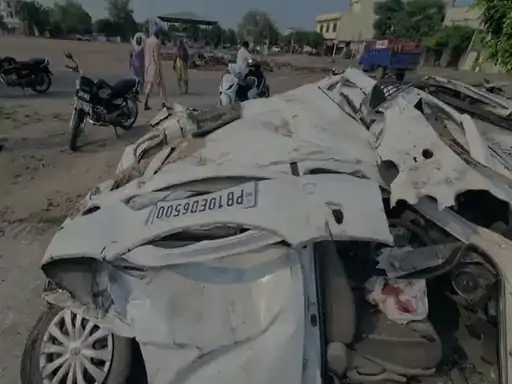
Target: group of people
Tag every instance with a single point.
(146, 65)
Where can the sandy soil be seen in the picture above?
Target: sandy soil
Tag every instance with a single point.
(93, 56)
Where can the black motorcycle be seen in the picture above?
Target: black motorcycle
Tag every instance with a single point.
(34, 74)
(256, 81)
(102, 103)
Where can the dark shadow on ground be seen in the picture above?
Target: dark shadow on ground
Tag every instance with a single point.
(96, 144)
(17, 94)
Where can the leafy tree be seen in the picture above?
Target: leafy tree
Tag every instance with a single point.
(3, 25)
(257, 26)
(71, 17)
(121, 14)
(34, 16)
(301, 38)
(215, 35)
(144, 27)
(454, 37)
(389, 15)
(105, 26)
(497, 21)
(193, 31)
(423, 18)
(230, 38)
(412, 19)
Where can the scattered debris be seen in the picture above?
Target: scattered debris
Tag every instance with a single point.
(401, 300)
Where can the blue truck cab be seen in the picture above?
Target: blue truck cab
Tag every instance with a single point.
(390, 56)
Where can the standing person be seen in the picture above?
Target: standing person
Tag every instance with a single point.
(181, 66)
(137, 66)
(153, 71)
(242, 65)
(243, 57)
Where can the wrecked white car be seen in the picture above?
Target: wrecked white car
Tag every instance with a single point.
(320, 238)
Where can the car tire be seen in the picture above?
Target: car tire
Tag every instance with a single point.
(30, 371)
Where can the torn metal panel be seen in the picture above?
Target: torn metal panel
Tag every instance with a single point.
(428, 165)
(304, 126)
(220, 321)
(492, 102)
(306, 217)
(158, 255)
(221, 314)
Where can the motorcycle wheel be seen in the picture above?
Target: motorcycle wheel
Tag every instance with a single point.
(116, 350)
(266, 91)
(76, 123)
(133, 108)
(42, 82)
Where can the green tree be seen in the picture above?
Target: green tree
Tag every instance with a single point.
(3, 25)
(412, 19)
(105, 26)
(258, 27)
(389, 15)
(34, 16)
(215, 35)
(423, 18)
(193, 31)
(301, 38)
(230, 38)
(454, 37)
(143, 27)
(121, 14)
(497, 21)
(71, 17)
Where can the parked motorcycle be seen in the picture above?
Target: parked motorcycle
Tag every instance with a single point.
(254, 84)
(34, 74)
(102, 103)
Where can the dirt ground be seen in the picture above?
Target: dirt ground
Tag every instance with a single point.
(41, 180)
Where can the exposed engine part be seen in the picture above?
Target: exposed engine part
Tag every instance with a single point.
(472, 281)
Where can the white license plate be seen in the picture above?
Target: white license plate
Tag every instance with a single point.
(239, 197)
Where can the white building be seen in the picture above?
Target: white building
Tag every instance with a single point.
(354, 25)
(7, 10)
(463, 15)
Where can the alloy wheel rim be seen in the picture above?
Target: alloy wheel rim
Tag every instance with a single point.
(75, 350)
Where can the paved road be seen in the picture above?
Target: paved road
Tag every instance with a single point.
(203, 86)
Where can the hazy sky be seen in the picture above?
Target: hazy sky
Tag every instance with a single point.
(286, 13)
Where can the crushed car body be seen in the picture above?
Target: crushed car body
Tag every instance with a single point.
(327, 233)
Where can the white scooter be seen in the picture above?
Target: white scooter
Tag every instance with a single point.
(254, 84)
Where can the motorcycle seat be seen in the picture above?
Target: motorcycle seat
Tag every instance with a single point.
(124, 86)
(36, 61)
